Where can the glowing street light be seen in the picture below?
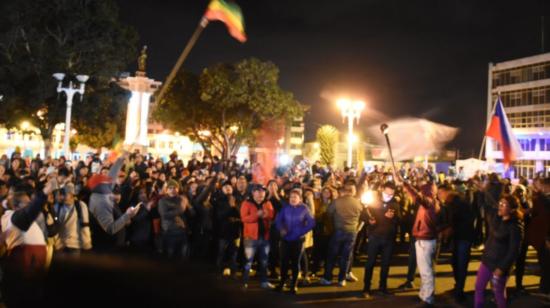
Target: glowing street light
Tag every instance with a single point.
(351, 110)
(69, 92)
(25, 125)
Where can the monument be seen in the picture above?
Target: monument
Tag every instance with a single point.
(137, 116)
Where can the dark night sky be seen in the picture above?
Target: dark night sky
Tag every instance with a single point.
(405, 58)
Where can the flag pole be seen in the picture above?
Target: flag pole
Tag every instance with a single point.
(202, 24)
(488, 123)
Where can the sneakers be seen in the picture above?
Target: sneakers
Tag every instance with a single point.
(245, 287)
(267, 285)
(351, 277)
(294, 290)
(226, 272)
(407, 285)
(367, 295)
(280, 287)
(342, 283)
(384, 292)
(325, 282)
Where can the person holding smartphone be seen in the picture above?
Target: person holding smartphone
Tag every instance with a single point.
(383, 222)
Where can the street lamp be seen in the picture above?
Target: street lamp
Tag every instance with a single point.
(351, 110)
(69, 92)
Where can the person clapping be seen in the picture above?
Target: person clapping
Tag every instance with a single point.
(293, 222)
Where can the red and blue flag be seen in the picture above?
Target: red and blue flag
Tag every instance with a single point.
(500, 130)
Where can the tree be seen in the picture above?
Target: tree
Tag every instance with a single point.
(327, 137)
(41, 37)
(227, 104)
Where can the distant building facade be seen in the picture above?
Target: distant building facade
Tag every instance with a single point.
(524, 87)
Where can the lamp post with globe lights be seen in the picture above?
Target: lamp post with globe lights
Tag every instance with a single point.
(351, 110)
(69, 92)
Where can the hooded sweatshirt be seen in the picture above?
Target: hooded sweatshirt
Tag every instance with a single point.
(107, 221)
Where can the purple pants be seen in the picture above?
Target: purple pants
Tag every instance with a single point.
(484, 274)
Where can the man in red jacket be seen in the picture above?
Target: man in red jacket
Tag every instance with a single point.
(257, 215)
(425, 233)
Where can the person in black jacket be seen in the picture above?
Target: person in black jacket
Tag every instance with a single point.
(140, 230)
(383, 222)
(202, 230)
(228, 220)
(501, 250)
(462, 226)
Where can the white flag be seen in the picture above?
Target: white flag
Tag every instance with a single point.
(413, 137)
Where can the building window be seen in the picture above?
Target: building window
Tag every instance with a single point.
(538, 72)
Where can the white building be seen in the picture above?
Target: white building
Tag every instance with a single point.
(524, 87)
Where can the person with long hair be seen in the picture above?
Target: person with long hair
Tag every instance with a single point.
(323, 228)
(501, 250)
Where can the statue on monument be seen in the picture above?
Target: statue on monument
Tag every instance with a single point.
(142, 59)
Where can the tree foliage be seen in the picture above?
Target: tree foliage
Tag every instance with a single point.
(41, 37)
(327, 137)
(226, 104)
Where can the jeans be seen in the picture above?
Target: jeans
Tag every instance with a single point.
(383, 247)
(543, 255)
(175, 245)
(425, 252)
(484, 274)
(341, 244)
(459, 262)
(291, 253)
(274, 252)
(320, 249)
(520, 264)
(227, 250)
(251, 248)
(411, 260)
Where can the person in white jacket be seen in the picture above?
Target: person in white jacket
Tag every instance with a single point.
(24, 235)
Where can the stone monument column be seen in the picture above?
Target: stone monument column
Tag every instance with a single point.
(137, 116)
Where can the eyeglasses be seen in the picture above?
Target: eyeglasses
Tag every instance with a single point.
(503, 204)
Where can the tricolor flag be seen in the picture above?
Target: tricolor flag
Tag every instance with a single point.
(229, 13)
(500, 130)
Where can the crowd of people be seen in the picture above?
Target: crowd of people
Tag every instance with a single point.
(304, 220)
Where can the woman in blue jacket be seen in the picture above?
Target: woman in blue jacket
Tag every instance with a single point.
(293, 222)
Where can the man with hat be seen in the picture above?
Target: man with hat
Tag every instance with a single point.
(228, 222)
(257, 215)
(107, 222)
(72, 218)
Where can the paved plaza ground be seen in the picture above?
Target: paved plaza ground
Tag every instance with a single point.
(350, 296)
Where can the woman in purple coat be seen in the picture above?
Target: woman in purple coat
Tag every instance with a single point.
(293, 222)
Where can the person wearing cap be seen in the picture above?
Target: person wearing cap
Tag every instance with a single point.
(107, 222)
(71, 216)
(501, 250)
(174, 210)
(383, 222)
(228, 222)
(293, 223)
(257, 215)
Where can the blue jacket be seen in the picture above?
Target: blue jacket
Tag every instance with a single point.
(295, 220)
